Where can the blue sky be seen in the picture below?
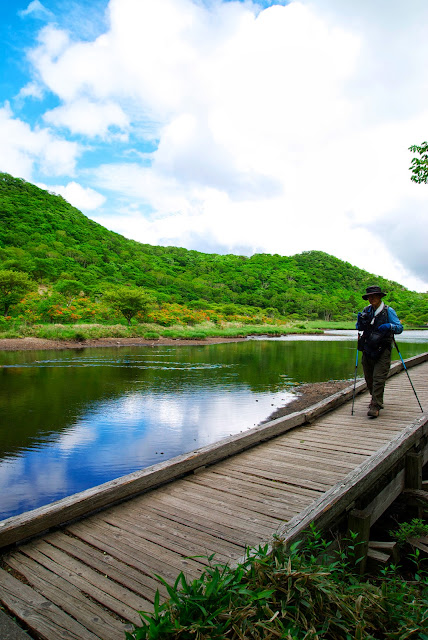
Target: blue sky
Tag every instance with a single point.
(232, 127)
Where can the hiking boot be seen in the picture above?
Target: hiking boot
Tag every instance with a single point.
(373, 412)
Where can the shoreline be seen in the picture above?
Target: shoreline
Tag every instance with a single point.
(34, 344)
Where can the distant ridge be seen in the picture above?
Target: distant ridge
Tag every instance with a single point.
(44, 236)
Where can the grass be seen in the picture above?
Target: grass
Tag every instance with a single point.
(82, 332)
(288, 593)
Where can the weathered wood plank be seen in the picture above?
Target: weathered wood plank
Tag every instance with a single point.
(205, 523)
(273, 497)
(169, 540)
(295, 476)
(291, 479)
(143, 554)
(297, 446)
(123, 553)
(277, 459)
(219, 519)
(116, 597)
(107, 565)
(66, 596)
(162, 523)
(258, 480)
(44, 618)
(236, 507)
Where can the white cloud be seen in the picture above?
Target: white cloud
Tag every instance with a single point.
(24, 148)
(36, 9)
(279, 130)
(31, 90)
(88, 118)
(86, 199)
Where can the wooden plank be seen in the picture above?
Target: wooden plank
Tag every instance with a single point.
(291, 480)
(163, 524)
(205, 523)
(348, 437)
(257, 481)
(291, 472)
(66, 596)
(222, 517)
(378, 556)
(168, 540)
(143, 555)
(301, 448)
(284, 461)
(296, 447)
(44, 618)
(123, 553)
(273, 496)
(258, 513)
(334, 448)
(359, 524)
(107, 565)
(326, 443)
(307, 458)
(111, 595)
(386, 497)
(413, 467)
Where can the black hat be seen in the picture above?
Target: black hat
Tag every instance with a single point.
(373, 291)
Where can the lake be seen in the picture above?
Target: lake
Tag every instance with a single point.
(73, 419)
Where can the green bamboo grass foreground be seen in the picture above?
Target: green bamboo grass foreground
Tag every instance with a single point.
(290, 594)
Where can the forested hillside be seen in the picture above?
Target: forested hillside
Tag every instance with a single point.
(51, 241)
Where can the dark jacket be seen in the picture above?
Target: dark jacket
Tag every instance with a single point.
(372, 341)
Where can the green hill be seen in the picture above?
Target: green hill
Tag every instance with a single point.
(44, 236)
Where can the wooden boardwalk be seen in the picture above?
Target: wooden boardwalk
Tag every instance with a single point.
(87, 580)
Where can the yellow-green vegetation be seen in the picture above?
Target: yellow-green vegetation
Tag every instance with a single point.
(291, 594)
(76, 271)
(82, 332)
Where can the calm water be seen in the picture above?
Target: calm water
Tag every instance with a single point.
(70, 420)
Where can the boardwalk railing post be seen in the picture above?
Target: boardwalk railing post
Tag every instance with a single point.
(359, 523)
(414, 463)
(413, 479)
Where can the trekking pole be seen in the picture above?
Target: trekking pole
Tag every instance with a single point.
(355, 382)
(405, 369)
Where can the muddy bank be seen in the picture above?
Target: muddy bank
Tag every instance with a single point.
(31, 344)
(309, 394)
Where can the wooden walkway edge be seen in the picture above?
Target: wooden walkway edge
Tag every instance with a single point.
(87, 579)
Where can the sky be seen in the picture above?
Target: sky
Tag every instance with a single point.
(227, 126)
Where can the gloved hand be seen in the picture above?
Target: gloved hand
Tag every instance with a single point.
(384, 328)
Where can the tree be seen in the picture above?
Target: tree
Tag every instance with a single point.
(419, 166)
(13, 285)
(69, 288)
(128, 300)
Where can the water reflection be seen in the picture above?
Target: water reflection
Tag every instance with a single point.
(70, 420)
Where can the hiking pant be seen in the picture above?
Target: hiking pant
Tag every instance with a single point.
(375, 373)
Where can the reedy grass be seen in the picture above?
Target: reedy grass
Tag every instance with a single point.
(150, 331)
(288, 593)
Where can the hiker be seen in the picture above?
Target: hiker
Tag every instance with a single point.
(378, 324)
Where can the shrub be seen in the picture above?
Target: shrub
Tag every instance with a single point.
(289, 594)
